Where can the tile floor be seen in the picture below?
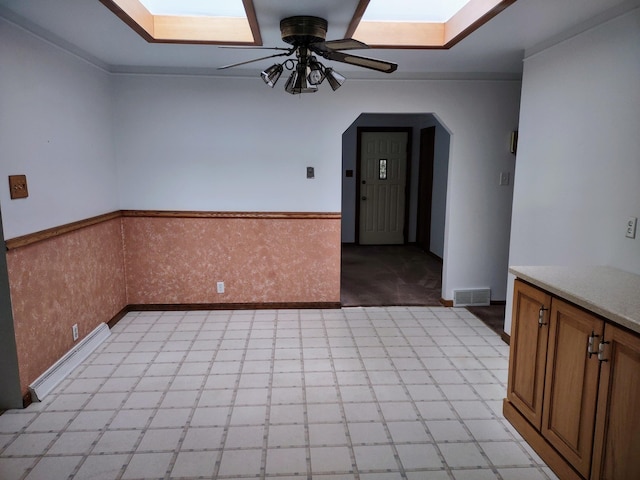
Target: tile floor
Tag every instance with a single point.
(358, 393)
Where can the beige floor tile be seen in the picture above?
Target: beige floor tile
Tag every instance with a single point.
(418, 386)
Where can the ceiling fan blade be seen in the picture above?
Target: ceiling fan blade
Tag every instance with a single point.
(343, 44)
(370, 63)
(287, 53)
(241, 47)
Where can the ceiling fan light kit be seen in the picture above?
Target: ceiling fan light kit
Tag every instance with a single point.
(334, 78)
(272, 74)
(299, 82)
(306, 35)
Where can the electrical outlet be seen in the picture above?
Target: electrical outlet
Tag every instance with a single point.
(631, 227)
(74, 332)
(220, 287)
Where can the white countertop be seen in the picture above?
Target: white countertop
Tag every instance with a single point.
(611, 293)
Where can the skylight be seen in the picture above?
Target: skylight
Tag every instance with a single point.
(190, 21)
(439, 11)
(378, 23)
(195, 8)
(423, 23)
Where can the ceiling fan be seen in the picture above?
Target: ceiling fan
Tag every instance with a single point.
(306, 35)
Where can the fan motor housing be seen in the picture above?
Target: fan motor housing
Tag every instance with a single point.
(303, 30)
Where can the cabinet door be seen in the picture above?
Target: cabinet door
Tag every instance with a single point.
(527, 355)
(616, 453)
(571, 384)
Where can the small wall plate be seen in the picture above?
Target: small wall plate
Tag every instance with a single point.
(18, 186)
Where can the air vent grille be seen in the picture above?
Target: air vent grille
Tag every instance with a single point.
(475, 297)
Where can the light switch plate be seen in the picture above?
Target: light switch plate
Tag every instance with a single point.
(631, 227)
(18, 186)
(310, 172)
(504, 179)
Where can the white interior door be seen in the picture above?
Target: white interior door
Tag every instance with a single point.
(383, 176)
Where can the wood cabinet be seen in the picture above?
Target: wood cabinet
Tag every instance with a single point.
(616, 453)
(528, 353)
(571, 384)
(573, 387)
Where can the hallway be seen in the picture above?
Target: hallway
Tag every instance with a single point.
(394, 275)
(383, 275)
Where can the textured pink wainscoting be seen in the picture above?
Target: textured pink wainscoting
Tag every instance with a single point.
(73, 278)
(261, 260)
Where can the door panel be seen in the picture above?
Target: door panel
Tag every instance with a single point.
(425, 187)
(528, 355)
(571, 384)
(615, 453)
(383, 173)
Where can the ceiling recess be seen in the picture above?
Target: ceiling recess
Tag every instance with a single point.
(413, 32)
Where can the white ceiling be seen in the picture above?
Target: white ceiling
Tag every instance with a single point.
(494, 50)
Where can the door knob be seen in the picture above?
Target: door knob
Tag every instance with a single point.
(364, 198)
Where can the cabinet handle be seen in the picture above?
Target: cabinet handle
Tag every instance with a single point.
(591, 347)
(601, 348)
(541, 321)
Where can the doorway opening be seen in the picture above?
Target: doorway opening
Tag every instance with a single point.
(393, 215)
(10, 396)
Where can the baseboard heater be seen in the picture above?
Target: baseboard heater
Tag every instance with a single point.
(63, 367)
(474, 297)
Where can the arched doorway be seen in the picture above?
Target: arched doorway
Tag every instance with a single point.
(410, 273)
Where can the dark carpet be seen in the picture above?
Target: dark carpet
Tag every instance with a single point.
(383, 275)
(386, 275)
(492, 316)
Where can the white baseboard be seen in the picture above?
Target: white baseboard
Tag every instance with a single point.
(63, 367)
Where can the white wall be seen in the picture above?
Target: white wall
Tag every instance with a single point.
(202, 143)
(225, 144)
(55, 127)
(478, 210)
(578, 165)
